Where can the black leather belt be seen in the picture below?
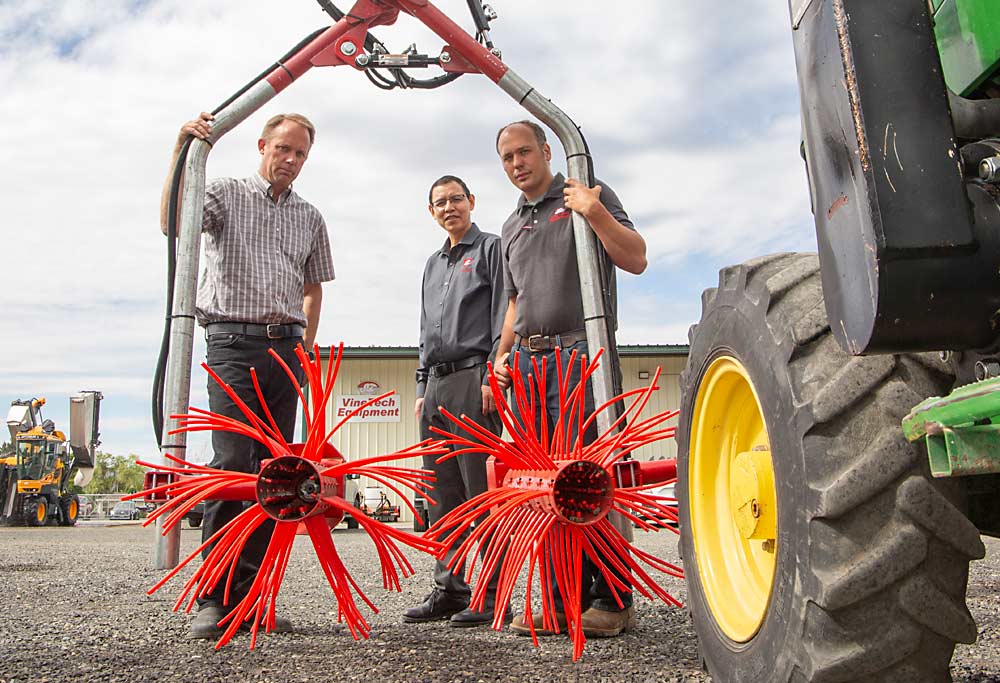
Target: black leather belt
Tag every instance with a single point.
(442, 369)
(274, 331)
(548, 342)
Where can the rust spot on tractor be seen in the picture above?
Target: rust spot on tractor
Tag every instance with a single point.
(850, 78)
(933, 428)
(839, 202)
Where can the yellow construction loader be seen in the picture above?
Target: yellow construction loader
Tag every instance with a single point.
(35, 473)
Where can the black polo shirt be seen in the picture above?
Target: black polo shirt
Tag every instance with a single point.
(539, 262)
(462, 304)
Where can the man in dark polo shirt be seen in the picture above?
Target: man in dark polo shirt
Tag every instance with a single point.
(266, 255)
(545, 306)
(461, 316)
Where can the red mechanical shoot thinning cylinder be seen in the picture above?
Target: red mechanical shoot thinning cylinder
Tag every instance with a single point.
(550, 496)
(301, 484)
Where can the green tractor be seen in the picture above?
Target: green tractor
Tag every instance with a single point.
(822, 541)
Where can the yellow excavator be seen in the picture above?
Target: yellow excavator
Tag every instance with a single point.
(35, 473)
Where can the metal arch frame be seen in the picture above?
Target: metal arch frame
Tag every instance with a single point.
(338, 45)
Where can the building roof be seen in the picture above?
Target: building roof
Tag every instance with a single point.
(411, 351)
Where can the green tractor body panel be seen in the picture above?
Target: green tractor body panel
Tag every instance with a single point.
(968, 40)
(962, 430)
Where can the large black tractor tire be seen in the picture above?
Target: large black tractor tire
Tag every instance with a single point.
(69, 508)
(870, 555)
(36, 511)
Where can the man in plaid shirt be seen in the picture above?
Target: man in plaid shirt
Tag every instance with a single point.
(266, 255)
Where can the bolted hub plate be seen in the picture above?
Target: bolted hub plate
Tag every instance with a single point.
(751, 494)
(290, 489)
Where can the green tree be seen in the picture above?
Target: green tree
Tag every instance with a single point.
(115, 474)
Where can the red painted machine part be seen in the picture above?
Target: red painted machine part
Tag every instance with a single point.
(326, 49)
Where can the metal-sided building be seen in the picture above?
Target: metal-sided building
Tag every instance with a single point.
(391, 424)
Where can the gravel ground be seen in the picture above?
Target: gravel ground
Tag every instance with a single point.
(75, 609)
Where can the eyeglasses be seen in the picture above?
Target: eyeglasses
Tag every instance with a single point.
(454, 199)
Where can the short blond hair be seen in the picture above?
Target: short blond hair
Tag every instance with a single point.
(278, 119)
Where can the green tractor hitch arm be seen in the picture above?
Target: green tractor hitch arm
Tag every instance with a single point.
(961, 429)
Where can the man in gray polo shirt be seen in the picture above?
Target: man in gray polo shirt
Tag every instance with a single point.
(266, 253)
(461, 316)
(545, 307)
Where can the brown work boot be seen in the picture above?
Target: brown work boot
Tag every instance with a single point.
(598, 623)
(521, 627)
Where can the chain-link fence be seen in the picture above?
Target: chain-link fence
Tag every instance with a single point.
(101, 505)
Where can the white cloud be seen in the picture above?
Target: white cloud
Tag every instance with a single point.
(694, 125)
(721, 199)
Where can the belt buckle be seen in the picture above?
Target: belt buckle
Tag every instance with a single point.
(533, 339)
(271, 331)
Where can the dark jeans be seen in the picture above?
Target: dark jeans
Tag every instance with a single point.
(231, 356)
(460, 478)
(595, 590)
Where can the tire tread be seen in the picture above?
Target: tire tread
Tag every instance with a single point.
(871, 610)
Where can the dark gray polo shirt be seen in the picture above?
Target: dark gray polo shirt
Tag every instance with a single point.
(462, 304)
(539, 262)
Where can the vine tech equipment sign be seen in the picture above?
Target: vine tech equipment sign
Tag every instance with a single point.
(383, 410)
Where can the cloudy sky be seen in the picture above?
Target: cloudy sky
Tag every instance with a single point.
(693, 123)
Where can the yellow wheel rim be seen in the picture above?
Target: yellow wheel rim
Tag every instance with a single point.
(73, 509)
(733, 500)
(40, 511)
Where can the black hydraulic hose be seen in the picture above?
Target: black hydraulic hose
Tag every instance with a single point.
(430, 83)
(481, 21)
(400, 79)
(161, 361)
(263, 74)
(159, 376)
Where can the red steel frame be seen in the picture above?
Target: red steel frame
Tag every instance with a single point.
(327, 48)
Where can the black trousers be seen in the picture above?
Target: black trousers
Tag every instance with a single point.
(595, 589)
(462, 477)
(231, 356)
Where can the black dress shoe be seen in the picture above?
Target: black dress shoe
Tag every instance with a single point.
(437, 605)
(468, 618)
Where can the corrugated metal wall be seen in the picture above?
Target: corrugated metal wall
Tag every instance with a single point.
(359, 440)
(667, 398)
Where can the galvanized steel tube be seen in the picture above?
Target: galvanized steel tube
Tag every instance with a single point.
(177, 389)
(594, 311)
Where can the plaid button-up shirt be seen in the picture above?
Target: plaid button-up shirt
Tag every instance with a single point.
(259, 254)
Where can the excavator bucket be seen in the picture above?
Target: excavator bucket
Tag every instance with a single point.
(84, 414)
(20, 418)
